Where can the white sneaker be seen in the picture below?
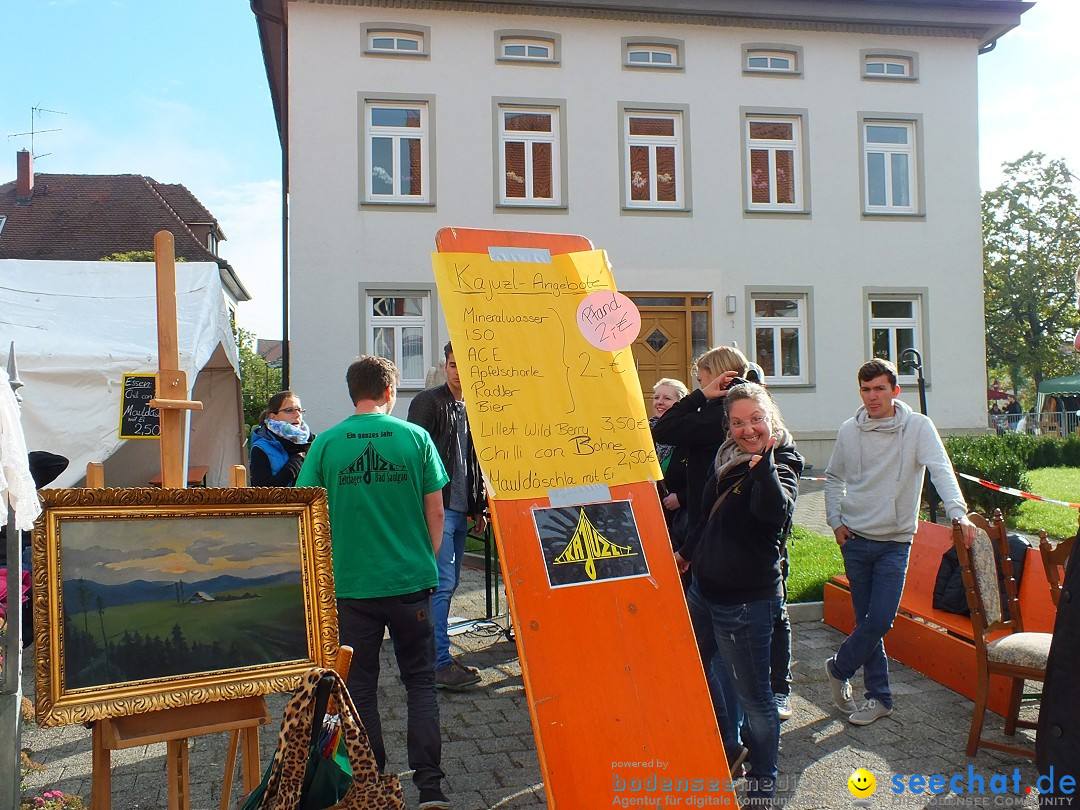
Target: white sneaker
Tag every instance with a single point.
(783, 706)
(871, 711)
(841, 690)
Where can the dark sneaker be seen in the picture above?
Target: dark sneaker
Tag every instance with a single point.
(841, 690)
(466, 667)
(735, 764)
(454, 676)
(433, 798)
(783, 706)
(870, 711)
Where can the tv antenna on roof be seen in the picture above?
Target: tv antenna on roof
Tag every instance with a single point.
(35, 112)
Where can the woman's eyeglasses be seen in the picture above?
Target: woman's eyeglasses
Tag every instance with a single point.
(292, 410)
(754, 422)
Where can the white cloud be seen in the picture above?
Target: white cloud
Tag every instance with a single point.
(250, 215)
(1028, 91)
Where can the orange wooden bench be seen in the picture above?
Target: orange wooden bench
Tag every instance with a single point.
(938, 644)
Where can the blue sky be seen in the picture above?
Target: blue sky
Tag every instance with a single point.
(176, 90)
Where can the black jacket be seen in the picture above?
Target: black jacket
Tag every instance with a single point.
(433, 409)
(698, 426)
(1057, 740)
(950, 593)
(736, 553)
(674, 483)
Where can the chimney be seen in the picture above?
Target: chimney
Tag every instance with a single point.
(24, 185)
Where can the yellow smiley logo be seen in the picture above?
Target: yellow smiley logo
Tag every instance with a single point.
(861, 783)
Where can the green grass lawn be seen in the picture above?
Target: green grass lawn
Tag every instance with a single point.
(1062, 483)
(813, 560)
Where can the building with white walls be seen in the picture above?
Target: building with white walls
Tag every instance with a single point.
(797, 177)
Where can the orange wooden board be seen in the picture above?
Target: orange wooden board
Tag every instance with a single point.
(617, 695)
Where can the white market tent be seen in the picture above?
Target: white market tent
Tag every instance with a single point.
(78, 327)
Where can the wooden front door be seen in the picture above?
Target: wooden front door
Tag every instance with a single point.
(670, 337)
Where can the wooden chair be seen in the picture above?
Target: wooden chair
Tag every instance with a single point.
(1001, 646)
(1054, 557)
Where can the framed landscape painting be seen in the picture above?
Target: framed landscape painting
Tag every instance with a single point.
(148, 599)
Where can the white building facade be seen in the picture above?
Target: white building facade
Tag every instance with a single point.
(798, 178)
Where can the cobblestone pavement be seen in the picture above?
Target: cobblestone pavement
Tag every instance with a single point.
(810, 507)
(489, 753)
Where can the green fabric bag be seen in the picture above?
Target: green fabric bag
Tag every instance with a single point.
(326, 780)
(326, 783)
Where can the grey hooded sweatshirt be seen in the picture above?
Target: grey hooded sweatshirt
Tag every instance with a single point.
(875, 475)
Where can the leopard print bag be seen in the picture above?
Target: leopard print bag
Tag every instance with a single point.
(370, 790)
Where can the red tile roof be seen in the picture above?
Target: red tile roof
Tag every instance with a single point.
(86, 217)
(187, 205)
(269, 350)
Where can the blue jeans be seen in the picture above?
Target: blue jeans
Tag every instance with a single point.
(361, 623)
(781, 653)
(455, 527)
(725, 705)
(876, 571)
(743, 636)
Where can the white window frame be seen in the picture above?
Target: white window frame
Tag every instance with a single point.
(529, 38)
(3, 221)
(770, 51)
(398, 37)
(398, 323)
(656, 56)
(528, 138)
(776, 324)
(655, 49)
(886, 63)
(396, 134)
(652, 142)
(907, 61)
(773, 147)
(888, 150)
(770, 56)
(914, 323)
(527, 43)
(398, 32)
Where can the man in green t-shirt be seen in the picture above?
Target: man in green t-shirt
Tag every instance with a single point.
(384, 480)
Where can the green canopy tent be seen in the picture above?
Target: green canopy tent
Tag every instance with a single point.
(1064, 393)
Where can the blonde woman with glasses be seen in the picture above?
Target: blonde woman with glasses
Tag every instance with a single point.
(279, 442)
(736, 596)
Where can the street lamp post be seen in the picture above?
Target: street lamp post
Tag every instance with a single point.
(912, 359)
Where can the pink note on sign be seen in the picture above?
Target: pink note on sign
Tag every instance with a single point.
(608, 320)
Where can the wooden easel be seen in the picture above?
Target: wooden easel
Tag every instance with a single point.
(241, 716)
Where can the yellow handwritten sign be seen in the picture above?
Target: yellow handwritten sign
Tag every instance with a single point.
(547, 409)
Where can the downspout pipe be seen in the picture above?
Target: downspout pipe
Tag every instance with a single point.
(283, 131)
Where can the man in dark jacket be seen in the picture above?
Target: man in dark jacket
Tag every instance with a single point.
(1057, 740)
(441, 411)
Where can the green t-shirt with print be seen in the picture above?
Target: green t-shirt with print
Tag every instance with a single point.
(376, 469)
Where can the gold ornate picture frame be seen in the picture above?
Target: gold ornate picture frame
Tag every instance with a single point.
(148, 599)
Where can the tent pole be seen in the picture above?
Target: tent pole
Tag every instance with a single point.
(11, 685)
(11, 690)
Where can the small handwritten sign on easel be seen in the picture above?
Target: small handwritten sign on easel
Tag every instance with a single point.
(137, 419)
